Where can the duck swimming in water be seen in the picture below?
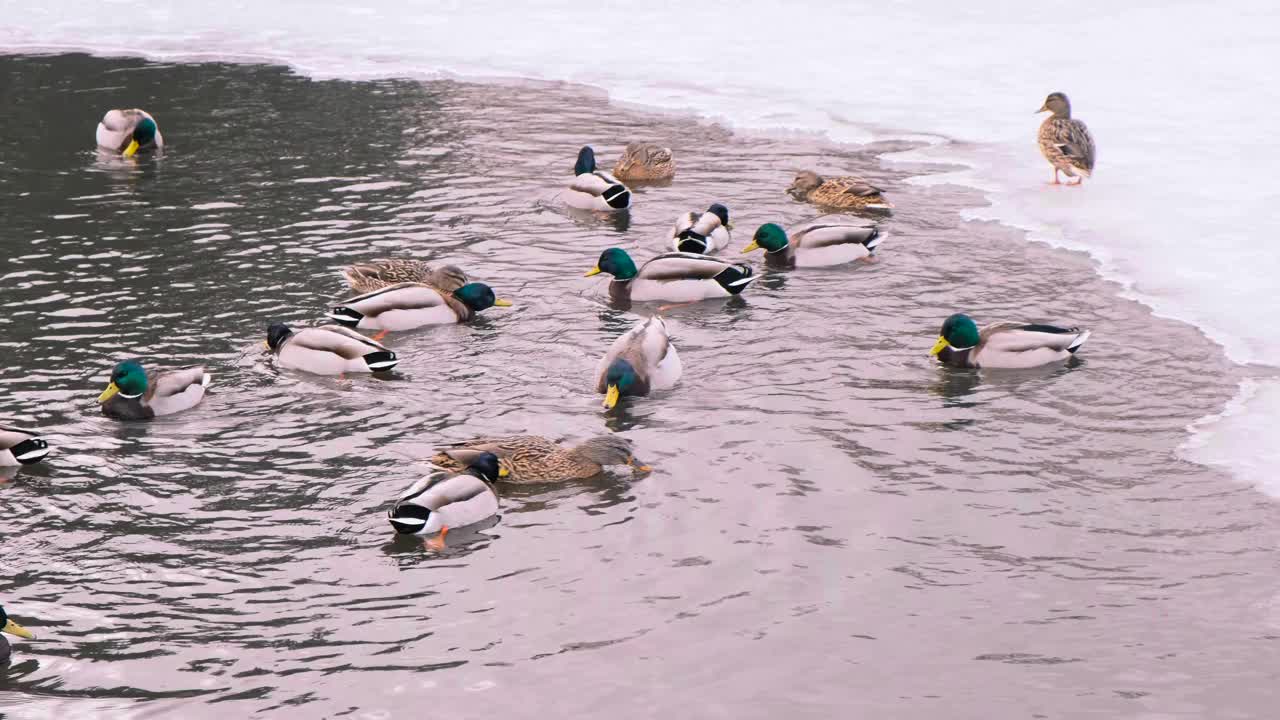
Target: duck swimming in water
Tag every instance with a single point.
(1007, 345)
(594, 189)
(129, 132)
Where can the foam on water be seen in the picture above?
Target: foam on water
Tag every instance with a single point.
(1179, 212)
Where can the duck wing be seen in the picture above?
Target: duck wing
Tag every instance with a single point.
(1019, 337)
(336, 339)
(852, 185)
(1076, 143)
(829, 235)
(167, 383)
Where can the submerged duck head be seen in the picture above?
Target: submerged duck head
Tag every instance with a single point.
(128, 379)
(616, 262)
(479, 296)
(487, 468)
(607, 450)
(769, 236)
(959, 332)
(721, 212)
(586, 161)
(1058, 104)
(277, 333)
(620, 379)
(144, 133)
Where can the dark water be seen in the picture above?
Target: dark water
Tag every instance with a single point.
(833, 525)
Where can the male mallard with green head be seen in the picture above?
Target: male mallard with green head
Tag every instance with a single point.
(1065, 141)
(534, 459)
(845, 192)
(129, 132)
(7, 625)
(444, 500)
(702, 232)
(671, 277)
(595, 189)
(645, 161)
(367, 277)
(640, 360)
(1007, 345)
(411, 305)
(135, 394)
(819, 245)
(328, 350)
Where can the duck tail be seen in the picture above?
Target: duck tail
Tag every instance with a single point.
(381, 360)
(345, 316)
(874, 240)
(30, 451)
(1080, 340)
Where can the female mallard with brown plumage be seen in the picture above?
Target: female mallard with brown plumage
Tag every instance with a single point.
(366, 277)
(1065, 142)
(645, 161)
(534, 459)
(846, 192)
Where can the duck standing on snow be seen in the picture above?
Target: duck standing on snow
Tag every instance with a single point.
(328, 350)
(645, 161)
(671, 277)
(1007, 345)
(640, 360)
(594, 189)
(21, 447)
(820, 245)
(845, 192)
(129, 132)
(135, 394)
(702, 232)
(1064, 141)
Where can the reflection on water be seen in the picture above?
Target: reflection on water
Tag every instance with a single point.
(825, 503)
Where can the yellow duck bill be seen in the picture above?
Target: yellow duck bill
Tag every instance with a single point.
(502, 303)
(611, 397)
(592, 271)
(753, 246)
(132, 149)
(14, 628)
(937, 347)
(109, 393)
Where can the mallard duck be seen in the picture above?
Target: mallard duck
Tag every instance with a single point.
(672, 277)
(820, 245)
(366, 277)
(845, 192)
(442, 500)
(21, 447)
(1004, 345)
(328, 350)
(1064, 141)
(645, 161)
(135, 394)
(411, 305)
(594, 189)
(534, 459)
(129, 131)
(7, 625)
(702, 232)
(640, 360)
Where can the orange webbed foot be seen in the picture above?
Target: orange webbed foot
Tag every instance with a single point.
(378, 337)
(437, 542)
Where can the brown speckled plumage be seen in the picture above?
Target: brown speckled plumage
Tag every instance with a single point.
(645, 161)
(534, 459)
(374, 275)
(847, 192)
(1064, 141)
